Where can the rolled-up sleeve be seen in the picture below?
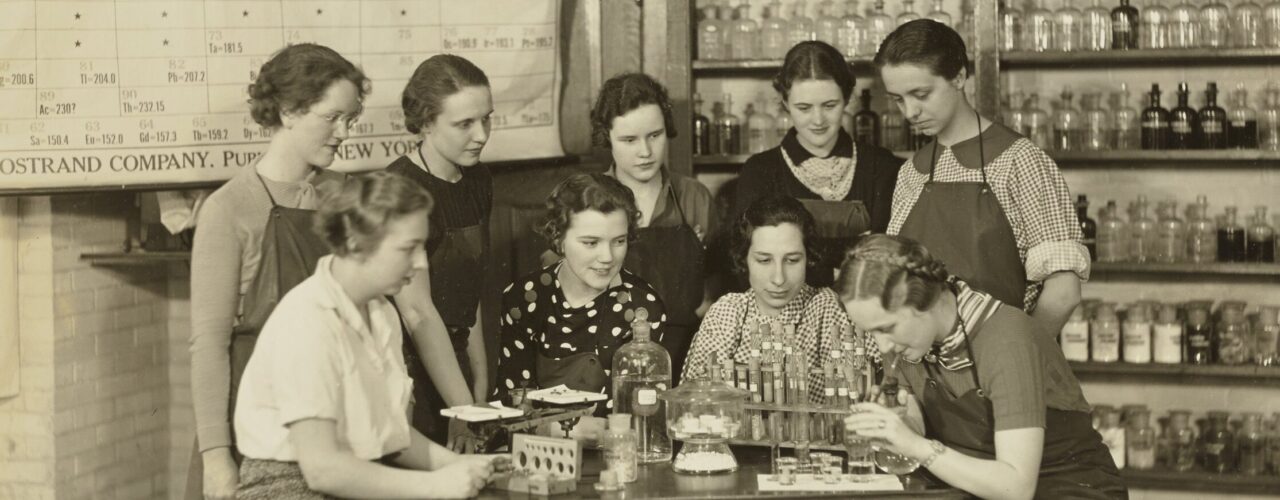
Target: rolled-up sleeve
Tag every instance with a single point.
(1045, 217)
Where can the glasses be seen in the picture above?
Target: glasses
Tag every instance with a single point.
(348, 121)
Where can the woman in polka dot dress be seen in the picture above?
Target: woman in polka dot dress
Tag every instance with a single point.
(562, 324)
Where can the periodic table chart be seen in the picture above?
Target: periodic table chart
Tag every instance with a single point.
(98, 93)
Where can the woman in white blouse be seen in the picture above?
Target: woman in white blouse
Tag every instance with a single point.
(324, 399)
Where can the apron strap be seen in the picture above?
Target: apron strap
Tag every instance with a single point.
(982, 155)
(265, 189)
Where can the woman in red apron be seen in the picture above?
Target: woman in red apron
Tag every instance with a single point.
(846, 185)
(1003, 415)
(632, 119)
(254, 240)
(982, 198)
(562, 324)
(447, 104)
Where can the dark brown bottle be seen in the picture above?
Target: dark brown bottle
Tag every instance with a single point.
(1231, 238)
(701, 129)
(1155, 122)
(1088, 227)
(1124, 27)
(1183, 122)
(866, 123)
(1213, 121)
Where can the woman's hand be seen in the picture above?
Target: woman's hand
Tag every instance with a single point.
(221, 476)
(464, 478)
(874, 421)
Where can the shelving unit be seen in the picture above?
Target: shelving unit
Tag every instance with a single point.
(759, 67)
(1178, 373)
(119, 259)
(1143, 57)
(1198, 159)
(1181, 270)
(1166, 480)
(739, 160)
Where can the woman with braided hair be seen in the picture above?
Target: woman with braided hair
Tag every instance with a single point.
(1003, 414)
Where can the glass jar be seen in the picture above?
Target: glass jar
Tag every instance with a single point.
(1105, 333)
(1251, 444)
(1097, 27)
(1246, 24)
(1038, 128)
(1137, 334)
(1269, 121)
(852, 29)
(799, 26)
(1171, 244)
(1217, 444)
(1068, 28)
(1271, 24)
(712, 33)
(1126, 127)
(744, 35)
(620, 447)
(1235, 344)
(908, 13)
(1181, 439)
(773, 32)
(1113, 434)
(1113, 235)
(1261, 245)
(1097, 124)
(1166, 336)
(1215, 25)
(1074, 337)
(937, 13)
(641, 370)
(704, 415)
(879, 25)
(1242, 121)
(1202, 339)
(1140, 440)
(1038, 29)
(826, 27)
(1273, 444)
(1010, 36)
(1142, 232)
(1184, 21)
(1155, 21)
(1268, 336)
(1068, 124)
(1202, 232)
(1231, 237)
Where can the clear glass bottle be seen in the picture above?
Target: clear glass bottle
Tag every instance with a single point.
(1182, 441)
(1202, 338)
(711, 33)
(1242, 121)
(1213, 121)
(1142, 232)
(1246, 25)
(1140, 440)
(641, 370)
(1010, 36)
(966, 28)
(701, 128)
(729, 129)
(1126, 125)
(1113, 435)
(1215, 25)
(1097, 124)
(1088, 226)
(1271, 27)
(1154, 18)
(620, 447)
(1251, 444)
(773, 32)
(1038, 30)
(1155, 122)
(1124, 26)
(879, 25)
(1202, 232)
(1097, 27)
(1166, 336)
(799, 25)
(853, 28)
(1235, 342)
(1171, 242)
(1068, 124)
(1104, 333)
(1184, 122)
(1217, 444)
(1268, 336)
(1016, 118)
(1261, 240)
(1184, 25)
(866, 122)
(782, 122)
(760, 128)
(1269, 122)
(1113, 235)
(744, 36)
(1068, 28)
(937, 13)
(1136, 334)
(908, 13)
(1231, 238)
(1038, 128)
(826, 27)
(893, 129)
(1273, 443)
(1074, 337)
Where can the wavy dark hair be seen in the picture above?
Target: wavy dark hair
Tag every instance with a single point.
(437, 78)
(581, 192)
(880, 263)
(926, 43)
(814, 61)
(362, 208)
(771, 210)
(295, 78)
(623, 93)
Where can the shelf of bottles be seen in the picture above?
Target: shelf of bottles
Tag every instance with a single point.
(1127, 372)
(136, 258)
(756, 66)
(1200, 244)
(1187, 269)
(1103, 58)
(1225, 158)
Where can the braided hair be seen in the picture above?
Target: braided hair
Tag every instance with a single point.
(897, 270)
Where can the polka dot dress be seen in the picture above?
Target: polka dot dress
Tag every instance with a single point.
(536, 320)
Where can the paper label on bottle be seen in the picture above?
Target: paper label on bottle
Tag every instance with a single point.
(830, 391)
(1211, 127)
(1075, 341)
(1137, 343)
(1181, 127)
(1167, 343)
(1106, 345)
(1154, 123)
(646, 396)
(843, 391)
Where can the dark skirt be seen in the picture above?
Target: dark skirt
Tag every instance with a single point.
(274, 480)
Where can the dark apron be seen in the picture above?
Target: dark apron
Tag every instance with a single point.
(457, 274)
(671, 259)
(290, 250)
(1075, 462)
(962, 224)
(839, 223)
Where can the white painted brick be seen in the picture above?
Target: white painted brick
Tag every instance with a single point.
(26, 492)
(75, 442)
(33, 447)
(94, 413)
(64, 421)
(37, 377)
(74, 303)
(137, 489)
(74, 350)
(112, 387)
(75, 395)
(37, 351)
(62, 283)
(94, 368)
(144, 402)
(134, 316)
(93, 459)
(27, 423)
(134, 359)
(92, 279)
(36, 401)
(118, 430)
(94, 323)
(34, 308)
(25, 471)
(112, 299)
(113, 342)
(39, 285)
(83, 486)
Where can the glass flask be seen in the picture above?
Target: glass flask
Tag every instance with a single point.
(1126, 127)
(1231, 238)
(1097, 27)
(1269, 121)
(799, 26)
(1246, 25)
(1271, 24)
(1213, 121)
(1261, 246)
(826, 27)
(1235, 343)
(1202, 232)
(1142, 232)
(1155, 19)
(1068, 28)
(1171, 242)
(1251, 444)
(1010, 36)
(1155, 122)
(1217, 444)
(1038, 29)
(1068, 124)
(1113, 237)
(879, 25)
(642, 370)
(1038, 128)
(1242, 120)
(1140, 440)
(705, 414)
(886, 460)
(853, 28)
(908, 13)
(744, 36)
(1182, 441)
(1215, 25)
(711, 34)
(1184, 25)
(1184, 122)
(1097, 124)
(773, 32)
(1124, 26)
(939, 14)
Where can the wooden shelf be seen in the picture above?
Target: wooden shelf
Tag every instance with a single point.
(758, 66)
(1179, 373)
(1207, 269)
(1146, 57)
(1228, 158)
(134, 258)
(1201, 481)
(739, 160)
